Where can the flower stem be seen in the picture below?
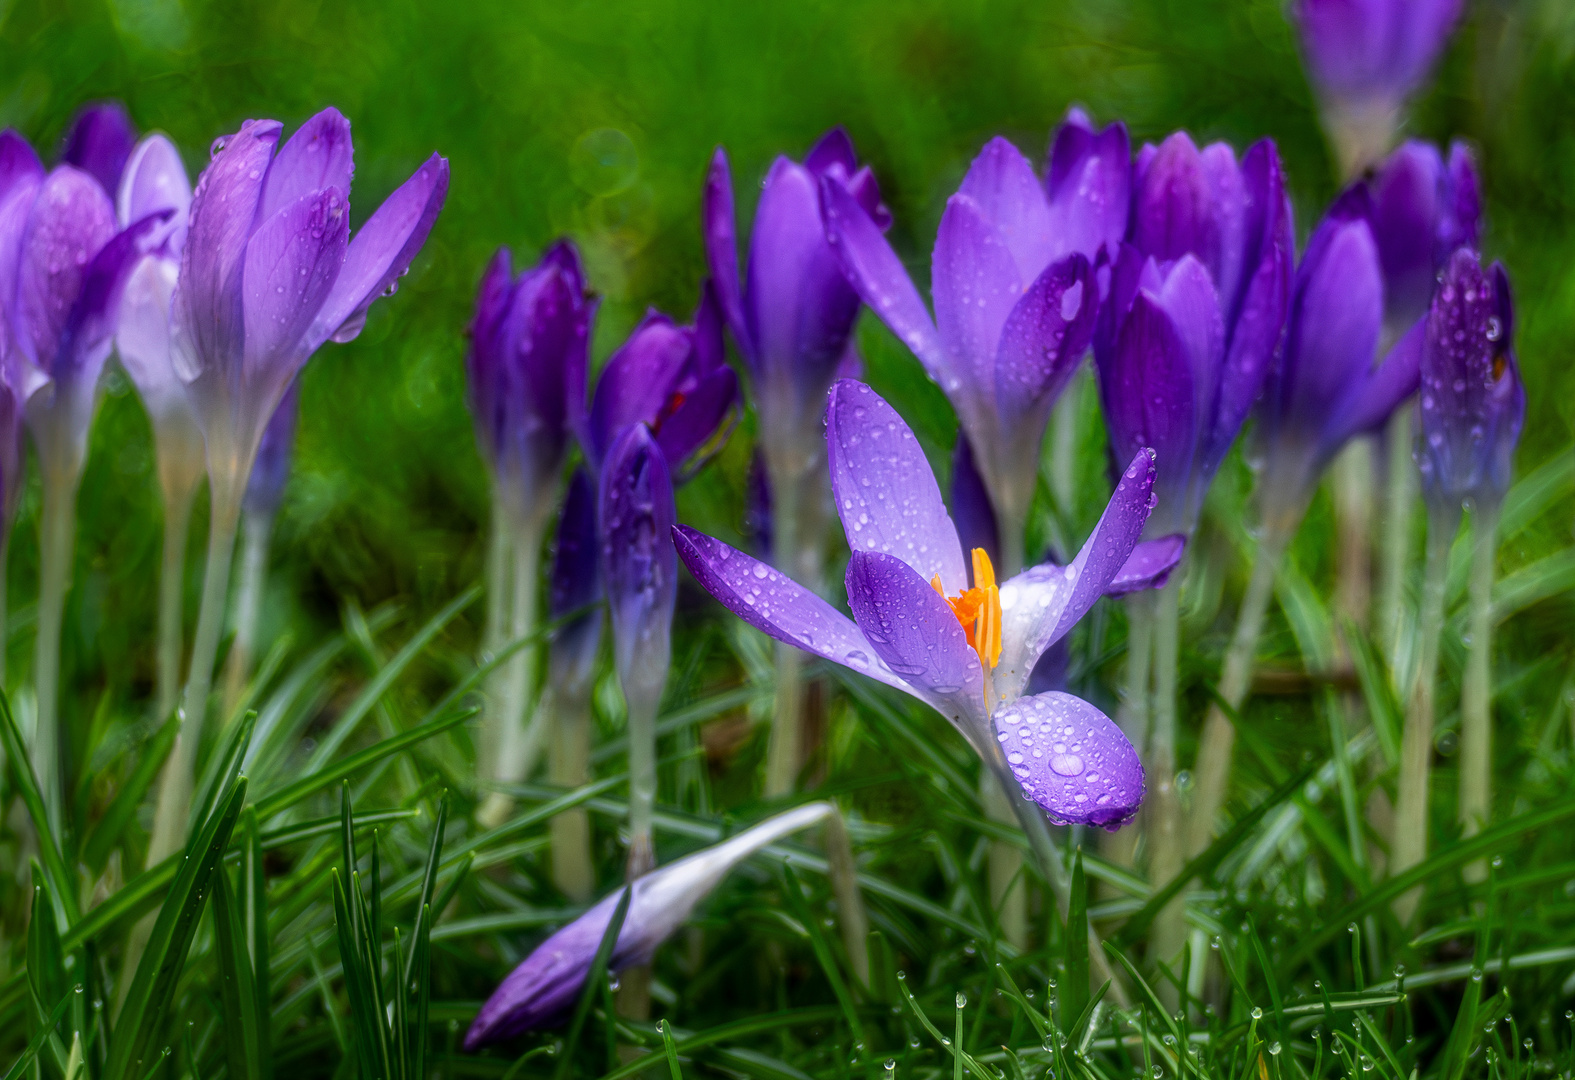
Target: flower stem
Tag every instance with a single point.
(1416, 743)
(1476, 692)
(797, 524)
(248, 606)
(175, 786)
(851, 916)
(569, 766)
(1008, 890)
(515, 748)
(172, 579)
(1395, 545)
(642, 785)
(1351, 478)
(1212, 771)
(57, 529)
(1133, 715)
(1164, 806)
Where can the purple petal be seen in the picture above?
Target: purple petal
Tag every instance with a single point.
(1149, 565)
(704, 417)
(142, 338)
(1044, 340)
(976, 283)
(971, 506)
(1173, 207)
(381, 252)
(291, 263)
(881, 280)
(1071, 759)
(1002, 187)
(155, 179)
(832, 150)
(639, 563)
(99, 142)
(1462, 223)
(913, 630)
(776, 605)
(317, 157)
(272, 469)
(1090, 187)
(1368, 404)
(576, 583)
(1228, 202)
(70, 220)
(1373, 52)
(638, 381)
(18, 162)
(208, 304)
(885, 492)
(721, 248)
(1405, 223)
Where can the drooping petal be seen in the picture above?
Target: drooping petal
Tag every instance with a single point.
(99, 142)
(639, 562)
(881, 280)
(541, 990)
(914, 631)
(1002, 187)
(381, 252)
(1071, 759)
(1149, 565)
(318, 156)
(721, 248)
(885, 493)
(778, 606)
(976, 283)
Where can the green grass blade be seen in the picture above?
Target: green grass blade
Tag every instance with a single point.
(146, 1009)
(667, 1046)
(36, 1043)
(224, 767)
(243, 1014)
(254, 907)
(1074, 993)
(33, 800)
(593, 979)
(123, 810)
(363, 1016)
(799, 904)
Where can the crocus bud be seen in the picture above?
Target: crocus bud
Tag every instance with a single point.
(639, 565)
(542, 990)
(1366, 57)
(272, 470)
(99, 142)
(793, 316)
(269, 272)
(526, 365)
(575, 584)
(1473, 402)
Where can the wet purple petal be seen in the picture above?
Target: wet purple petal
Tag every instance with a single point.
(317, 157)
(721, 248)
(1043, 341)
(292, 261)
(1071, 759)
(70, 221)
(1149, 565)
(1090, 187)
(1173, 207)
(1002, 188)
(18, 162)
(155, 179)
(639, 563)
(576, 583)
(637, 382)
(976, 283)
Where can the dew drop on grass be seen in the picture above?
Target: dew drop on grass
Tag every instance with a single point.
(962, 1001)
(1257, 1013)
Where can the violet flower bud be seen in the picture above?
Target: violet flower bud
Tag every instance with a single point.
(1473, 402)
(99, 143)
(1014, 291)
(1196, 305)
(272, 469)
(269, 271)
(576, 583)
(793, 316)
(529, 343)
(542, 990)
(674, 380)
(638, 563)
(961, 643)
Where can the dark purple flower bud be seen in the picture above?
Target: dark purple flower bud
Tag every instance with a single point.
(269, 272)
(1326, 387)
(99, 142)
(971, 508)
(674, 380)
(1194, 313)
(576, 583)
(1367, 56)
(1473, 402)
(1014, 291)
(793, 315)
(528, 350)
(543, 989)
(1420, 210)
(759, 523)
(639, 565)
(272, 469)
(18, 162)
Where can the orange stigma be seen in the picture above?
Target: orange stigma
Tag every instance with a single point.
(978, 610)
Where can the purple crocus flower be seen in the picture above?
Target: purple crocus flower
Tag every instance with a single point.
(527, 360)
(1196, 304)
(673, 379)
(544, 987)
(794, 314)
(1366, 57)
(100, 142)
(1013, 282)
(1473, 402)
(576, 583)
(269, 273)
(919, 626)
(1326, 387)
(272, 469)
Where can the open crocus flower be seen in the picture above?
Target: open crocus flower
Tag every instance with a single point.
(545, 986)
(964, 646)
(1014, 289)
(1473, 402)
(1196, 305)
(1366, 57)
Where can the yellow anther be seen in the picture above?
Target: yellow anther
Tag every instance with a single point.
(978, 609)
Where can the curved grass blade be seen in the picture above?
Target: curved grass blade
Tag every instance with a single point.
(817, 940)
(23, 1063)
(33, 799)
(244, 1016)
(1074, 997)
(150, 759)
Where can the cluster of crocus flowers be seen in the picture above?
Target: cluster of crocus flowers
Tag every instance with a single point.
(792, 318)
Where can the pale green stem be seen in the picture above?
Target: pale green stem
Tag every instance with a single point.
(515, 748)
(1120, 847)
(1395, 545)
(1064, 433)
(1164, 806)
(1351, 478)
(1211, 775)
(569, 767)
(1476, 692)
(170, 819)
(851, 916)
(1008, 890)
(5, 628)
(499, 611)
(642, 784)
(57, 528)
(1416, 743)
(252, 582)
(797, 530)
(172, 579)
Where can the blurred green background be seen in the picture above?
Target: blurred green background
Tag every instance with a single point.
(597, 120)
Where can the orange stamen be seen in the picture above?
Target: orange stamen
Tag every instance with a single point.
(978, 609)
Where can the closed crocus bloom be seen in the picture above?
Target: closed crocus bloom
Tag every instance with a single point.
(100, 142)
(1014, 291)
(1473, 402)
(957, 640)
(1366, 57)
(541, 991)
